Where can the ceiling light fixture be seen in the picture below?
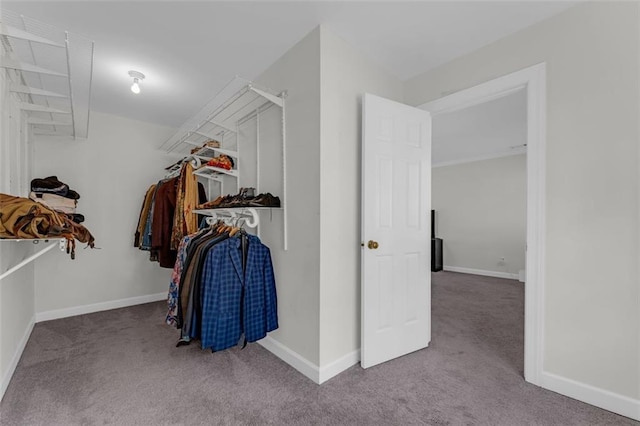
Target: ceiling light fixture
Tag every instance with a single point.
(137, 78)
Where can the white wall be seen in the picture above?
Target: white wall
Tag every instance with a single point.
(592, 312)
(16, 290)
(318, 278)
(297, 269)
(346, 75)
(481, 213)
(111, 170)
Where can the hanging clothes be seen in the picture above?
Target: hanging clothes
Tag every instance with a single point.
(174, 284)
(166, 215)
(144, 216)
(162, 222)
(235, 300)
(184, 272)
(146, 237)
(190, 308)
(181, 277)
(222, 288)
(184, 221)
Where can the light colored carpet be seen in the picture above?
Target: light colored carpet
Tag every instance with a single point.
(122, 367)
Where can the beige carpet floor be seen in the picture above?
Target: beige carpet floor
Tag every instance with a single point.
(122, 367)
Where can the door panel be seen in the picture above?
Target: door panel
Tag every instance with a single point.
(396, 188)
(385, 292)
(385, 196)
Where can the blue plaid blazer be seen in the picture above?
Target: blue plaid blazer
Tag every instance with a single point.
(223, 317)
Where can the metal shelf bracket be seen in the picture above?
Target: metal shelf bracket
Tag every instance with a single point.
(61, 244)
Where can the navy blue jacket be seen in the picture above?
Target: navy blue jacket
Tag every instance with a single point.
(226, 312)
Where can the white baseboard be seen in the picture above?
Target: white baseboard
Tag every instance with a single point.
(97, 307)
(495, 274)
(338, 366)
(607, 400)
(16, 358)
(294, 359)
(317, 374)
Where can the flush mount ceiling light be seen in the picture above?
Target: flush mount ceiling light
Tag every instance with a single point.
(137, 78)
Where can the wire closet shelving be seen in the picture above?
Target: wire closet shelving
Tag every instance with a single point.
(221, 120)
(50, 70)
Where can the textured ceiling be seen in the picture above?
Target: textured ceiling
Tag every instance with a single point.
(189, 50)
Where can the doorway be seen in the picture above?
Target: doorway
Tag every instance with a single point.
(478, 199)
(479, 186)
(532, 81)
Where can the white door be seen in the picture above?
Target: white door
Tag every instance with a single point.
(396, 256)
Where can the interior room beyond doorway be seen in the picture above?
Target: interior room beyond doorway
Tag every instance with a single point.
(479, 194)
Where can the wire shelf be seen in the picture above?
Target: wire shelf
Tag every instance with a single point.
(51, 72)
(237, 102)
(230, 118)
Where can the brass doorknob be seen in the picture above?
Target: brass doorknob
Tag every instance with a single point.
(372, 244)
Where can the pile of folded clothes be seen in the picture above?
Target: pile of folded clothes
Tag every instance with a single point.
(210, 143)
(23, 218)
(244, 198)
(221, 161)
(57, 196)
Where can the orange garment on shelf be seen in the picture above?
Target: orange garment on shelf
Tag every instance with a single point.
(25, 218)
(222, 161)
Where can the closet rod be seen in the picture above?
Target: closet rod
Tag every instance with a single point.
(246, 213)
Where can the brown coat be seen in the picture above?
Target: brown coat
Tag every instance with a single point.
(24, 218)
(142, 221)
(27, 219)
(162, 224)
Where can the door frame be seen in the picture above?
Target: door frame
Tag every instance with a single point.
(533, 80)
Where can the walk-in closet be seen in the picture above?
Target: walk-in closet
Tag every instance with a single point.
(220, 212)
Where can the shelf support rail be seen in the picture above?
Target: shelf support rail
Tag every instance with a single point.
(285, 224)
(31, 258)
